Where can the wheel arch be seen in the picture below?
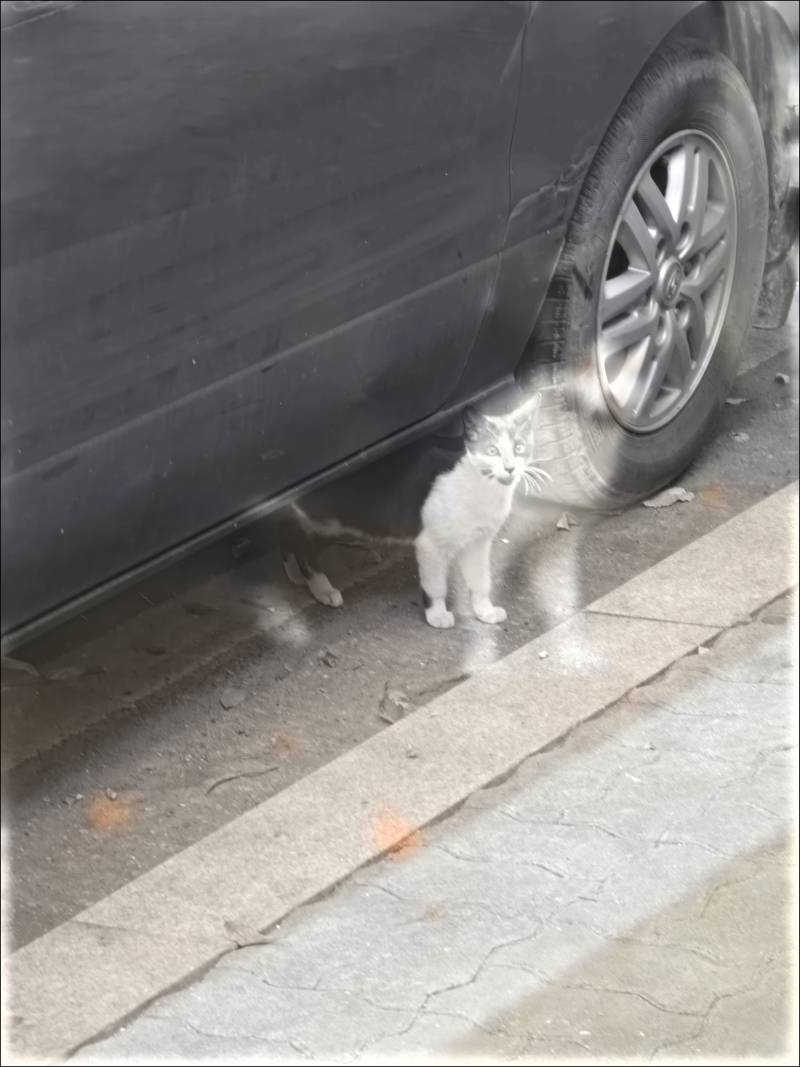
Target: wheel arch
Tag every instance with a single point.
(755, 38)
(762, 45)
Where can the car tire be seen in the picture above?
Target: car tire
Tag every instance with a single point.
(597, 452)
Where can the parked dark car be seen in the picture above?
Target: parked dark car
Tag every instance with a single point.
(248, 245)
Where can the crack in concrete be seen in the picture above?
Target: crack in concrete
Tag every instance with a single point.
(705, 1016)
(575, 825)
(616, 742)
(215, 1035)
(244, 938)
(318, 987)
(675, 842)
(708, 670)
(627, 939)
(494, 859)
(761, 808)
(664, 622)
(655, 842)
(110, 927)
(383, 889)
(755, 768)
(463, 1017)
(530, 1041)
(728, 883)
(449, 904)
(589, 988)
(337, 991)
(450, 988)
(241, 774)
(438, 688)
(694, 714)
(286, 1039)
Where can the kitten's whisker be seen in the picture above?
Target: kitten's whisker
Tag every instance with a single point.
(540, 473)
(531, 484)
(537, 478)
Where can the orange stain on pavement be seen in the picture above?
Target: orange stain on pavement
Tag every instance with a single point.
(394, 834)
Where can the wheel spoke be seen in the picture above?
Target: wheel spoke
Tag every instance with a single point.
(699, 199)
(657, 210)
(628, 383)
(713, 229)
(636, 239)
(682, 355)
(679, 182)
(696, 325)
(661, 352)
(694, 194)
(710, 269)
(627, 332)
(624, 292)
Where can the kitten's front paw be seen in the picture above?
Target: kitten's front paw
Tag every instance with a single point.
(441, 618)
(490, 614)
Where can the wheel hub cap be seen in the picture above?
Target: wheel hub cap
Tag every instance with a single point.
(670, 280)
(667, 281)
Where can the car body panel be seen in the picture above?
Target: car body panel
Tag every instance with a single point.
(248, 245)
(223, 225)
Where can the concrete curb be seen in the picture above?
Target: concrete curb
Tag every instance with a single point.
(88, 974)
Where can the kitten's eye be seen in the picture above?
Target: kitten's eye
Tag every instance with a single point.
(519, 448)
(492, 451)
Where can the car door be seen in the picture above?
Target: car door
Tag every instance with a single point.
(241, 242)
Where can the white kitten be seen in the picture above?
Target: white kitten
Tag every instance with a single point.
(449, 498)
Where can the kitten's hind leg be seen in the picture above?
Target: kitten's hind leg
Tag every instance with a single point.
(300, 553)
(321, 589)
(290, 541)
(475, 562)
(292, 568)
(433, 566)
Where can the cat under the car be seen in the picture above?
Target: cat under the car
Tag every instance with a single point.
(447, 496)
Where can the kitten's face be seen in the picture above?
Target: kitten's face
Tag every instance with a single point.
(501, 447)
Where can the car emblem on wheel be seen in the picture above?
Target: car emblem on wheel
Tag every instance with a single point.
(673, 283)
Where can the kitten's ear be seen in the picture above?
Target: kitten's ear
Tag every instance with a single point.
(473, 424)
(528, 411)
(531, 405)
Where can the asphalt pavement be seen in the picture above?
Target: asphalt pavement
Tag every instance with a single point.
(162, 720)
